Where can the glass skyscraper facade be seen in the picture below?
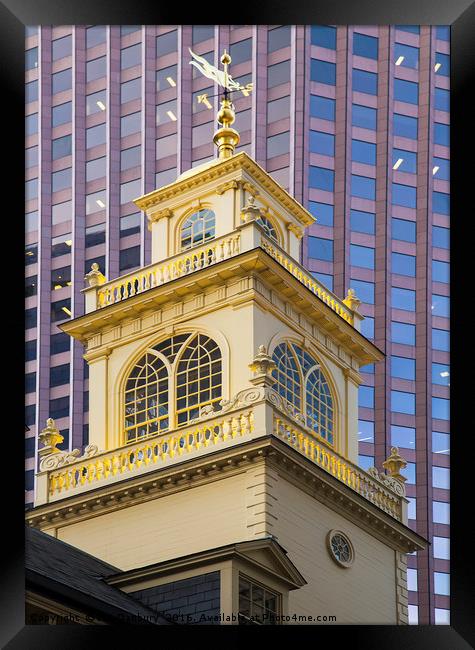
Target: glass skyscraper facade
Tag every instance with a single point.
(352, 120)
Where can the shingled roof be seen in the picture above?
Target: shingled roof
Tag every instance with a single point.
(72, 577)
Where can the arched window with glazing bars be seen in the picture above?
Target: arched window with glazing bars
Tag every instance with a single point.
(197, 229)
(170, 384)
(301, 381)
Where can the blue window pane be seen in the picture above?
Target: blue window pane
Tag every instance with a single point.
(321, 178)
(403, 437)
(362, 221)
(363, 187)
(406, 91)
(403, 368)
(403, 333)
(410, 473)
(361, 256)
(323, 212)
(406, 56)
(403, 299)
(31, 91)
(404, 195)
(320, 249)
(405, 126)
(403, 402)
(365, 82)
(366, 46)
(366, 397)
(61, 81)
(403, 264)
(442, 99)
(364, 290)
(441, 512)
(61, 114)
(322, 107)
(440, 203)
(364, 117)
(440, 237)
(440, 408)
(325, 279)
(441, 477)
(367, 327)
(31, 124)
(441, 374)
(442, 32)
(412, 29)
(323, 72)
(440, 305)
(323, 143)
(440, 271)
(365, 431)
(364, 152)
(31, 59)
(441, 134)
(440, 339)
(61, 147)
(441, 168)
(366, 461)
(442, 583)
(403, 230)
(440, 443)
(442, 64)
(404, 161)
(324, 36)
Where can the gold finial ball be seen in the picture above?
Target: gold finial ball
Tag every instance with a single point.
(225, 59)
(226, 115)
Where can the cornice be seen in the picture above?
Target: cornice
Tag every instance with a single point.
(218, 465)
(255, 262)
(237, 162)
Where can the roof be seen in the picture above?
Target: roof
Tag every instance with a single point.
(67, 574)
(274, 561)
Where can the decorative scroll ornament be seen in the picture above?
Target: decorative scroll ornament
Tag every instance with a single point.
(249, 397)
(388, 481)
(61, 458)
(52, 457)
(95, 278)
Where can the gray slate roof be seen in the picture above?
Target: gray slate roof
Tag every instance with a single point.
(71, 576)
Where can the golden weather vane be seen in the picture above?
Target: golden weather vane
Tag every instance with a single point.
(221, 77)
(225, 138)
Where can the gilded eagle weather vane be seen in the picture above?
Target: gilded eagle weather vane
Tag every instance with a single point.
(225, 138)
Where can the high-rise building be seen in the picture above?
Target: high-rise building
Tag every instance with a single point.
(353, 121)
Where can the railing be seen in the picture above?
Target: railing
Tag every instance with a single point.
(204, 256)
(155, 275)
(315, 287)
(127, 460)
(222, 429)
(342, 469)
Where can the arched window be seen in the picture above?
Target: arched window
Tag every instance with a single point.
(146, 398)
(169, 385)
(198, 378)
(300, 380)
(268, 228)
(198, 229)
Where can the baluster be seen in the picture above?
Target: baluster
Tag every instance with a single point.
(99, 469)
